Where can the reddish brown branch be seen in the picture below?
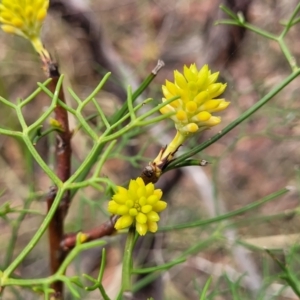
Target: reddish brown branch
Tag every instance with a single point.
(63, 169)
(223, 42)
(105, 229)
(63, 139)
(81, 17)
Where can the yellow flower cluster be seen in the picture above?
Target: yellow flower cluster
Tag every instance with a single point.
(24, 18)
(139, 205)
(197, 91)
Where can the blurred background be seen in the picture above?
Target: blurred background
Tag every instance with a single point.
(260, 156)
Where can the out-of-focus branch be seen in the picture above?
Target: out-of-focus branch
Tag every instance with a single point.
(222, 42)
(77, 16)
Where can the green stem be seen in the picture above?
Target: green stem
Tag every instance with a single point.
(292, 282)
(127, 260)
(34, 240)
(80, 176)
(59, 275)
(261, 32)
(11, 132)
(248, 26)
(290, 22)
(255, 220)
(15, 230)
(87, 164)
(160, 267)
(227, 215)
(101, 114)
(35, 93)
(175, 144)
(130, 104)
(196, 248)
(7, 103)
(288, 276)
(100, 276)
(297, 20)
(155, 119)
(103, 159)
(235, 123)
(120, 113)
(39, 160)
(191, 162)
(285, 50)
(136, 123)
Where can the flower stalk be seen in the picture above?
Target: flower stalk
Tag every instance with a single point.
(127, 260)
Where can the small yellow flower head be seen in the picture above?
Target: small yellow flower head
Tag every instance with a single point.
(24, 18)
(55, 124)
(139, 205)
(197, 91)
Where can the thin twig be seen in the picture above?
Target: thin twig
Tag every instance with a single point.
(105, 229)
